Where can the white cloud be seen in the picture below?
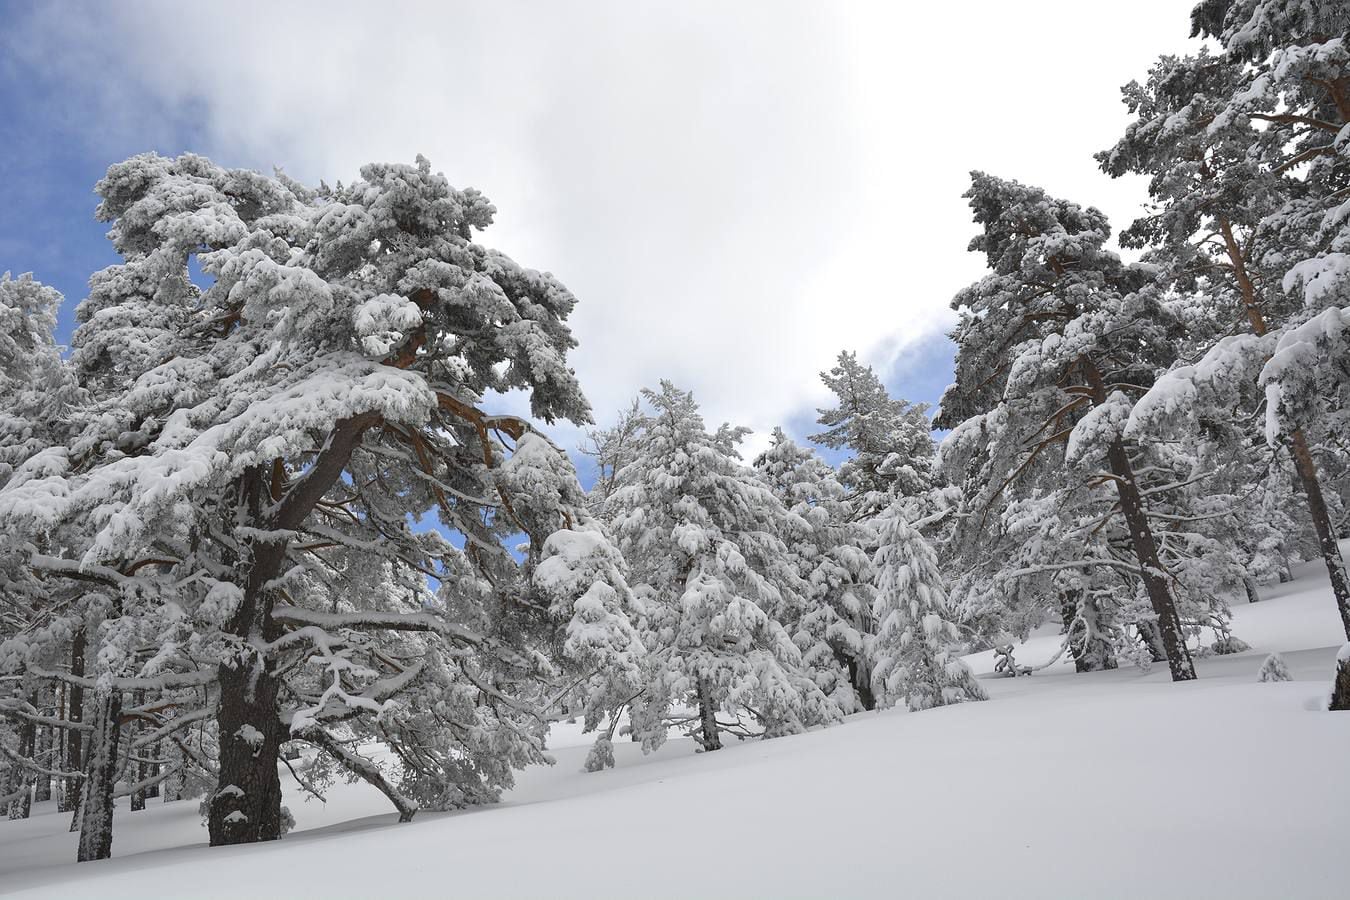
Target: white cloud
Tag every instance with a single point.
(735, 192)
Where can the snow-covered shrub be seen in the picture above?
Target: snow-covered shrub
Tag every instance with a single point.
(1274, 669)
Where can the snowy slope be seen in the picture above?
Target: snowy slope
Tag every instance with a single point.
(1113, 784)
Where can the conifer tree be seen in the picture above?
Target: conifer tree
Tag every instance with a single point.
(704, 538)
(890, 438)
(249, 459)
(916, 646)
(1225, 198)
(1048, 344)
(834, 630)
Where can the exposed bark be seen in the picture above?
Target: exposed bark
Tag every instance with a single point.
(1144, 546)
(1340, 689)
(1146, 551)
(96, 803)
(22, 781)
(1091, 651)
(862, 682)
(137, 770)
(709, 735)
(75, 713)
(152, 771)
(247, 804)
(1326, 537)
(1303, 459)
(43, 747)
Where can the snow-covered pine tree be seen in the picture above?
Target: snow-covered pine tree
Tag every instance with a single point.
(916, 646)
(1048, 344)
(1227, 201)
(704, 538)
(611, 449)
(1283, 105)
(890, 438)
(40, 619)
(261, 444)
(583, 579)
(835, 628)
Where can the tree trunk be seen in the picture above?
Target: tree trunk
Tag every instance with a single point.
(1303, 460)
(861, 680)
(247, 804)
(1146, 552)
(1090, 651)
(1340, 689)
(43, 747)
(1326, 536)
(75, 713)
(1249, 585)
(136, 770)
(709, 735)
(1145, 548)
(22, 807)
(152, 770)
(1152, 638)
(100, 776)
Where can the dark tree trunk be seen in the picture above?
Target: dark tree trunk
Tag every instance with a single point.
(152, 771)
(1249, 586)
(1090, 651)
(1152, 638)
(75, 713)
(861, 680)
(708, 735)
(1145, 548)
(1326, 536)
(247, 804)
(136, 770)
(22, 807)
(1340, 688)
(43, 747)
(1146, 552)
(100, 777)
(1303, 460)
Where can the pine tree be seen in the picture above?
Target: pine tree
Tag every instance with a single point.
(585, 581)
(834, 630)
(1048, 344)
(704, 538)
(247, 464)
(916, 643)
(1227, 203)
(890, 439)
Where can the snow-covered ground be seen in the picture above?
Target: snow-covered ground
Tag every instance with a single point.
(1115, 784)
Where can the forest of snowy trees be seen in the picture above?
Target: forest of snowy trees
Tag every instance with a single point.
(216, 507)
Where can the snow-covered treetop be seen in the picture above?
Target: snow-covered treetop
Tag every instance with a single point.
(1054, 295)
(890, 437)
(35, 384)
(1252, 28)
(368, 303)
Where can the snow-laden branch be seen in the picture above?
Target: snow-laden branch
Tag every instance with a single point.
(373, 620)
